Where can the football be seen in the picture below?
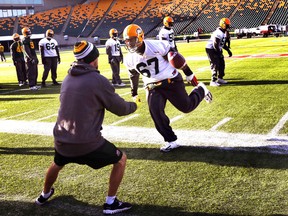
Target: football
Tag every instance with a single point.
(176, 60)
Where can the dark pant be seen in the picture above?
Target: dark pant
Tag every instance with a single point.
(217, 64)
(32, 71)
(175, 93)
(20, 69)
(2, 56)
(115, 66)
(50, 64)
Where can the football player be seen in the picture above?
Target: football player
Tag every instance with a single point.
(167, 32)
(215, 53)
(30, 59)
(2, 55)
(115, 56)
(50, 56)
(17, 56)
(163, 82)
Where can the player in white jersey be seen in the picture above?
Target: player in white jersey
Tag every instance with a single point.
(50, 56)
(115, 56)
(163, 82)
(214, 50)
(167, 32)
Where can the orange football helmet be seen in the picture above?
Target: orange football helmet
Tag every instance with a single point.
(133, 36)
(26, 32)
(224, 23)
(168, 22)
(113, 33)
(49, 33)
(16, 37)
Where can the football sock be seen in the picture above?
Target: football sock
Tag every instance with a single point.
(110, 199)
(46, 195)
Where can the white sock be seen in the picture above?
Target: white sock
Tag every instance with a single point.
(46, 195)
(110, 199)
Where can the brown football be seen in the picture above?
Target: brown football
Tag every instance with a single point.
(176, 60)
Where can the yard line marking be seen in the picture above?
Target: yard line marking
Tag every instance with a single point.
(46, 117)
(176, 118)
(222, 122)
(151, 136)
(20, 114)
(13, 91)
(125, 119)
(278, 127)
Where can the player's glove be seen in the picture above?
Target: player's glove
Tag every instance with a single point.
(59, 60)
(207, 94)
(33, 61)
(192, 79)
(137, 100)
(15, 62)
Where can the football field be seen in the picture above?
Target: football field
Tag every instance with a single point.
(233, 161)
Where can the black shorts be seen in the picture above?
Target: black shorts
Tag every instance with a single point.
(107, 154)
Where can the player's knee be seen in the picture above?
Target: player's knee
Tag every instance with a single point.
(123, 159)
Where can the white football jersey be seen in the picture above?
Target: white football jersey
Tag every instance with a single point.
(168, 35)
(216, 34)
(115, 46)
(152, 64)
(49, 47)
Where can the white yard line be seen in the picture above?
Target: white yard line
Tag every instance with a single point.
(151, 136)
(13, 91)
(222, 122)
(20, 114)
(125, 119)
(273, 133)
(46, 117)
(176, 118)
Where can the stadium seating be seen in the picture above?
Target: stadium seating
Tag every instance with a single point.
(153, 14)
(183, 15)
(99, 12)
(121, 14)
(79, 18)
(7, 26)
(209, 19)
(280, 14)
(252, 13)
(40, 22)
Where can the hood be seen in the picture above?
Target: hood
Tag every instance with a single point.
(80, 68)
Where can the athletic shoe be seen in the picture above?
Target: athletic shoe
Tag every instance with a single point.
(221, 81)
(213, 83)
(56, 83)
(21, 83)
(121, 84)
(118, 84)
(116, 207)
(41, 200)
(169, 146)
(35, 88)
